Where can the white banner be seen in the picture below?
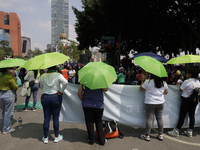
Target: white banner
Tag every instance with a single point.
(125, 104)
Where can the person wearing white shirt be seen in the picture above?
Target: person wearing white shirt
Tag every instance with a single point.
(31, 76)
(53, 85)
(188, 105)
(155, 89)
(72, 74)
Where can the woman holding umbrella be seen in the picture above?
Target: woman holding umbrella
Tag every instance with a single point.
(51, 100)
(94, 78)
(7, 98)
(155, 88)
(93, 106)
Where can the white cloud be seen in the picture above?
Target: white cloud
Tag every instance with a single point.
(72, 33)
(25, 8)
(38, 45)
(46, 25)
(25, 34)
(49, 1)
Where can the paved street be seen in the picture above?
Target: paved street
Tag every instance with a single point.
(75, 136)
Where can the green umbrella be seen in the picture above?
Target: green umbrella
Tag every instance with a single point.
(97, 75)
(151, 65)
(9, 63)
(185, 59)
(44, 61)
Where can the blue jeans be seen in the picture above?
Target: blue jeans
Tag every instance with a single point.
(7, 99)
(72, 80)
(34, 90)
(51, 104)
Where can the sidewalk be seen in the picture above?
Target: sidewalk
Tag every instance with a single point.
(75, 136)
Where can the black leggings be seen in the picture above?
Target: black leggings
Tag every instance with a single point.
(187, 106)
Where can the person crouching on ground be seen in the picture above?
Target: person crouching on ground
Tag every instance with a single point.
(154, 88)
(93, 107)
(7, 98)
(51, 100)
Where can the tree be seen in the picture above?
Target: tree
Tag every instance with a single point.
(48, 50)
(30, 54)
(2, 54)
(169, 26)
(72, 51)
(37, 51)
(4, 43)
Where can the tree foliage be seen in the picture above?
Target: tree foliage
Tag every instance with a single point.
(170, 26)
(72, 51)
(33, 53)
(5, 50)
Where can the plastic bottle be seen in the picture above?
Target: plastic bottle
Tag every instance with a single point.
(20, 122)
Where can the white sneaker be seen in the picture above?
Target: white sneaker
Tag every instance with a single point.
(11, 130)
(145, 137)
(188, 133)
(160, 137)
(174, 132)
(57, 139)
(45, 140)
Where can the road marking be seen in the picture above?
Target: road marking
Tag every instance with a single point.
(177, 140)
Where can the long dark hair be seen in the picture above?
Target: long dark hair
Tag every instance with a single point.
(35, 73)
(157, 80)
(194, 72)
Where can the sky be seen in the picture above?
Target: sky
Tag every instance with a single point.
(35, 17)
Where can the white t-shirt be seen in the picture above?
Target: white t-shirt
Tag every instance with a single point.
(188, 85)
(153, 95)
(51, 83)
(71, 72)
(179, 82)
(30, 76)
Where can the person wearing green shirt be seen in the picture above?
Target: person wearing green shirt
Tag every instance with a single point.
(121, 77)
(7, 98)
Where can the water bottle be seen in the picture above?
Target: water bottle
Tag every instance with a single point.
(20, 122)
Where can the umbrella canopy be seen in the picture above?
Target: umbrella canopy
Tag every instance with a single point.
(9, 63)
(97, 75)
(185, 59)
(151, 65)
(44, 61)
(153, 55)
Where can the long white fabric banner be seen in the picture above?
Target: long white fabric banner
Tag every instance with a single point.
(125, 104)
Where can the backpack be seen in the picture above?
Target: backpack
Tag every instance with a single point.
(111, 130)
(195, 96)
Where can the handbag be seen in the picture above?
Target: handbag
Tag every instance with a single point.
(19, 83)
(31, 83)
(26, 90)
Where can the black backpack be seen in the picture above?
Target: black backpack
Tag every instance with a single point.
(195, 96)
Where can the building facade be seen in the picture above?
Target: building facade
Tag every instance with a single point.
(26, 45)
(5, 36)
(59, 20)
(11, 24)
(48, 46)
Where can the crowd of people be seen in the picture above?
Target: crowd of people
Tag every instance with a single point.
(49, 80)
